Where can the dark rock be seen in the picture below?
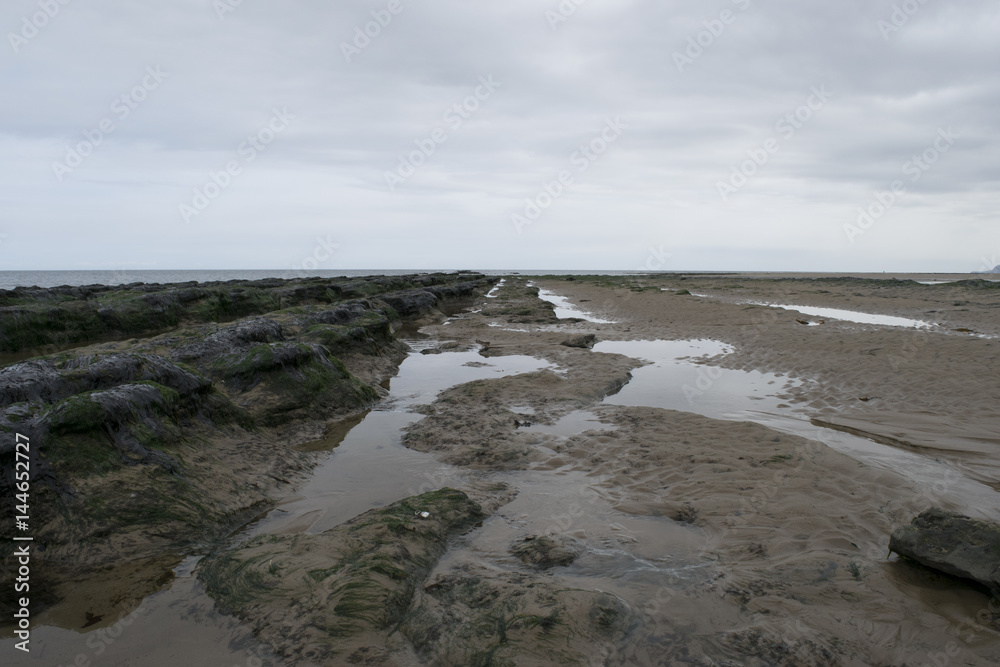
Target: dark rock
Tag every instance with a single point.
(123, 413)
(347, 581)
(546, 552)
(585, 341)
(279, 382)
(34, 318)
(30, 381)
(48, 382)
(412, 302)
(235, 338)
(450, 346)
(953, 544)
(343, 314)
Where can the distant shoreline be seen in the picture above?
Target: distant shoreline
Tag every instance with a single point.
(13, 279)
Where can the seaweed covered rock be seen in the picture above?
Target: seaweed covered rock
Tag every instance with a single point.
(50, 380)
(147, 445)
(233, 338)
(954, 544)
(547, 551)
(472, 615)
(93, 413)
(585, 341)
(354, 328)
(34, 318)
(279, 382)
(137, 418)
(314, 597)
(95, 420)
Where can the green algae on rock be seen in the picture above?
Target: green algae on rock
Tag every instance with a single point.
(313, 597)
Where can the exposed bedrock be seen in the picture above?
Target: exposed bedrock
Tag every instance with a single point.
(150, 445)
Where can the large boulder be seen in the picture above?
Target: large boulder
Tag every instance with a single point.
(953, 544)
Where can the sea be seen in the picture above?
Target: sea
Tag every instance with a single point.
(12, 279)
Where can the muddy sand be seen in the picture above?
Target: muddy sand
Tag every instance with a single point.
(660, 470)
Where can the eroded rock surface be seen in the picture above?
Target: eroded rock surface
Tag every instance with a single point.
(953, 544)
(317, 598)
(149, 445)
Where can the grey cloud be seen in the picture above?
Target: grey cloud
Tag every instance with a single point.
(326, 172)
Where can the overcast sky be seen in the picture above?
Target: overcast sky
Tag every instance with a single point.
(592, 134)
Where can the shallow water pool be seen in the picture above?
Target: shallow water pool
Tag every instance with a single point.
(853, 316)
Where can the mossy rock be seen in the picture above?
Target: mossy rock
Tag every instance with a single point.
(278, 382)
(475, 616)
(311, 595)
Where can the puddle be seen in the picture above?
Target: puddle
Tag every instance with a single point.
(369, 467)
(675, 382)
(176, 626)
(566, 310)
(495, 292)
(498, 325)
(852, 316)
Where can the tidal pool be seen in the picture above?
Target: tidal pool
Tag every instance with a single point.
(565, 310)
(853, 316)
(678, 379)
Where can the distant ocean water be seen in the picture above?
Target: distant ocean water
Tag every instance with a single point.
(12, 279)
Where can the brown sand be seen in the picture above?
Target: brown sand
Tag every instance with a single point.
(796, 532)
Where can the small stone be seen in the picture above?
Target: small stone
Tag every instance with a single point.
(546, 552)
(585, 341)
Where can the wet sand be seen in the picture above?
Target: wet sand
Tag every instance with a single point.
(790, 532)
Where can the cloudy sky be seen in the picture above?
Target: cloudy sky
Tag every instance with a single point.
(515, 134)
